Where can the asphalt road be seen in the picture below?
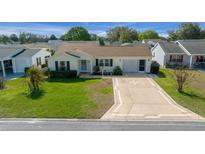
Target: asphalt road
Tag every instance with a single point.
(98, 125)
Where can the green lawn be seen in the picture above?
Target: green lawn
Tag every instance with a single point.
(59, 98)
(193, 96)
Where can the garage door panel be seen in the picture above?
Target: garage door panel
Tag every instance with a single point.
(130, 65)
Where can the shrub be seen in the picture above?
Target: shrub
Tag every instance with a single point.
(34, 77)
(44, 65)
(117, 71)
(2, 83)
(96, 70)
(63, 74)
(26, 69)
(154, 68)
(46, 71)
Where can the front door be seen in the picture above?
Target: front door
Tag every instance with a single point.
(142, 65)
(83, 65)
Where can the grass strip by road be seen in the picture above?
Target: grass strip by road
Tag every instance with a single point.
(193, 96)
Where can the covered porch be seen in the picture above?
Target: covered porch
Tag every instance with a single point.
(197, 61)
(5, 67)
(85, 66)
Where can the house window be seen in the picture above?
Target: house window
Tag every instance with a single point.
(201, 59)
(38, 61)
(176, 58)
(46, 59)
(105, 62)
(62, 66)
(101, 62)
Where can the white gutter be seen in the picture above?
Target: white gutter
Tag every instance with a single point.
(183, 48)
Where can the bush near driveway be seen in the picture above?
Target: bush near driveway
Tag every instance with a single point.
(154, 68)
(117, 71)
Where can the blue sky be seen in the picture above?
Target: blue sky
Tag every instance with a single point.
(99, 28)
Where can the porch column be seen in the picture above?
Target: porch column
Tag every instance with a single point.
(91, 67)
(190, 64)
(3, 68)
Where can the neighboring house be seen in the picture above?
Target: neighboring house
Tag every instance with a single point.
(169, 54)
(15, 59)
(84, 56)
(195, 49)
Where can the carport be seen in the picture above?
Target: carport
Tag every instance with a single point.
(6, 55)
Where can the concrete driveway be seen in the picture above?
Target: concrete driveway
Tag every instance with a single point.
(141, 98)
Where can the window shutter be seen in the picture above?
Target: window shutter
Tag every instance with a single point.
(96, 62)
(197, 59)
(181, 58)
(111, 62)
(68, 65)
(56, 65)
(170, 58)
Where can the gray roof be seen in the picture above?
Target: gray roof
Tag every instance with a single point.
(194, 46)
(28, 53)
(170, 47)
(8, 52)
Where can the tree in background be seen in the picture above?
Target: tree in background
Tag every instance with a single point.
(122, 34)
(4, 39)
(77, 34)
(31, 38)
(173, 35)
(14, 38)
(53, 37)
(62, 37)
(93, 37)
(187, 31)
(149, 34)
(101, 41)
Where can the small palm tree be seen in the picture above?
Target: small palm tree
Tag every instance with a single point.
(34, 77)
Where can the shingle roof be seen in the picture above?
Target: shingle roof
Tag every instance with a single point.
(28, 53)
(194, 46)
(104, 51)
(170, 47)
(7, 52)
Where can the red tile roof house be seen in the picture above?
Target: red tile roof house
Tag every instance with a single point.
(83, 56)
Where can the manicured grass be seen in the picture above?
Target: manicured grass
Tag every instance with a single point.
(193, 96)
(59, 98)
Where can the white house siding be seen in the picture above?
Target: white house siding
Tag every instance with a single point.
(74, 61)
(159, 55)
(119, 61)
(19, 64)
(43, 53)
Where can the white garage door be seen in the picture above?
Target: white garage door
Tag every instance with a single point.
(130, 65)
(20, 65)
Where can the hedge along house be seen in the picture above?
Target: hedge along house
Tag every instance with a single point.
(169, 54)
(195, 50)
(16, 59)
(83, 56)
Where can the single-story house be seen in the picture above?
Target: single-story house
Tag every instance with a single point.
(16, 59)
(195, 49)
(169, 54)
(84, 56)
